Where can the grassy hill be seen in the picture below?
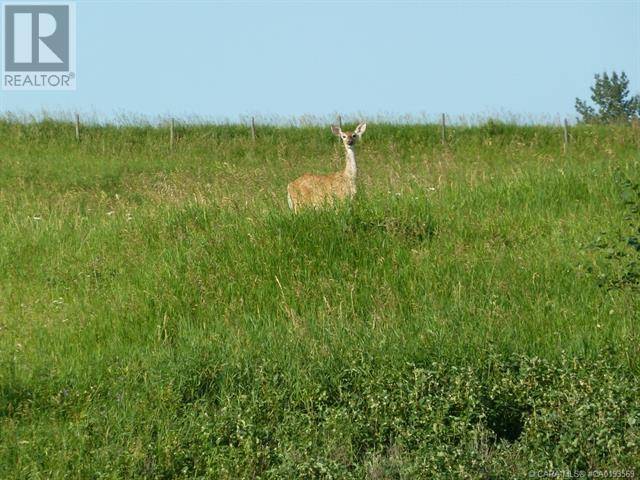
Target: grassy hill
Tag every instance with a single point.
(472, 314)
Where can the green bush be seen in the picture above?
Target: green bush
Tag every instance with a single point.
(618, 265)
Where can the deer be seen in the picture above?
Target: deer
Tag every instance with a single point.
(318, 190)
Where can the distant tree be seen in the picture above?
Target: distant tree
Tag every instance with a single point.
(611, 95)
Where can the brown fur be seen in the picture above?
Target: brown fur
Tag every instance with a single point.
(319, 190)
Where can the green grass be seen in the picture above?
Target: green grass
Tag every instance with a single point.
(163, 314)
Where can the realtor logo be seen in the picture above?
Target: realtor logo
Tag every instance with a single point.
(39, 46)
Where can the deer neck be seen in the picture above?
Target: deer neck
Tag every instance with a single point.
(350, 168)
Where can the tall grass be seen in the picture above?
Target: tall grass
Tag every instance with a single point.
(163, 314)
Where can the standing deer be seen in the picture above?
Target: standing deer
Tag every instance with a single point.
(316, 190)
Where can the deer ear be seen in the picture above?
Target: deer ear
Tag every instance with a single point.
(336, 130)
(360, 129)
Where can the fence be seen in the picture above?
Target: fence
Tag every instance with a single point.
(253, 130)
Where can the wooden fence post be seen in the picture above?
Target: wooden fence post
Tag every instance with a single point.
(443, 130)
(172, 127)
(77, 127)
(253, 129)
(565, 129)
(340, 122)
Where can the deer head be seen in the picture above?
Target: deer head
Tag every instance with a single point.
(349, 138)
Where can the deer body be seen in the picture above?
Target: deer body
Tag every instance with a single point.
(318, 190)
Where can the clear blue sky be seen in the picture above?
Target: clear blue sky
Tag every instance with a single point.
(232, 59)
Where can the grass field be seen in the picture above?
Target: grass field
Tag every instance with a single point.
(472, 314)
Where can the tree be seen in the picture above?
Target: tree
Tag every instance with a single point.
(611, 95)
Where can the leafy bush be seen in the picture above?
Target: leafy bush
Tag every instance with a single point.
(621, 250)
(361, 417)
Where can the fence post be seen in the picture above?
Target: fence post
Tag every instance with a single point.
(443, 130)
(340, 122)
(253, 129)
(172, 127)
(565, 129)
(77, 127)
